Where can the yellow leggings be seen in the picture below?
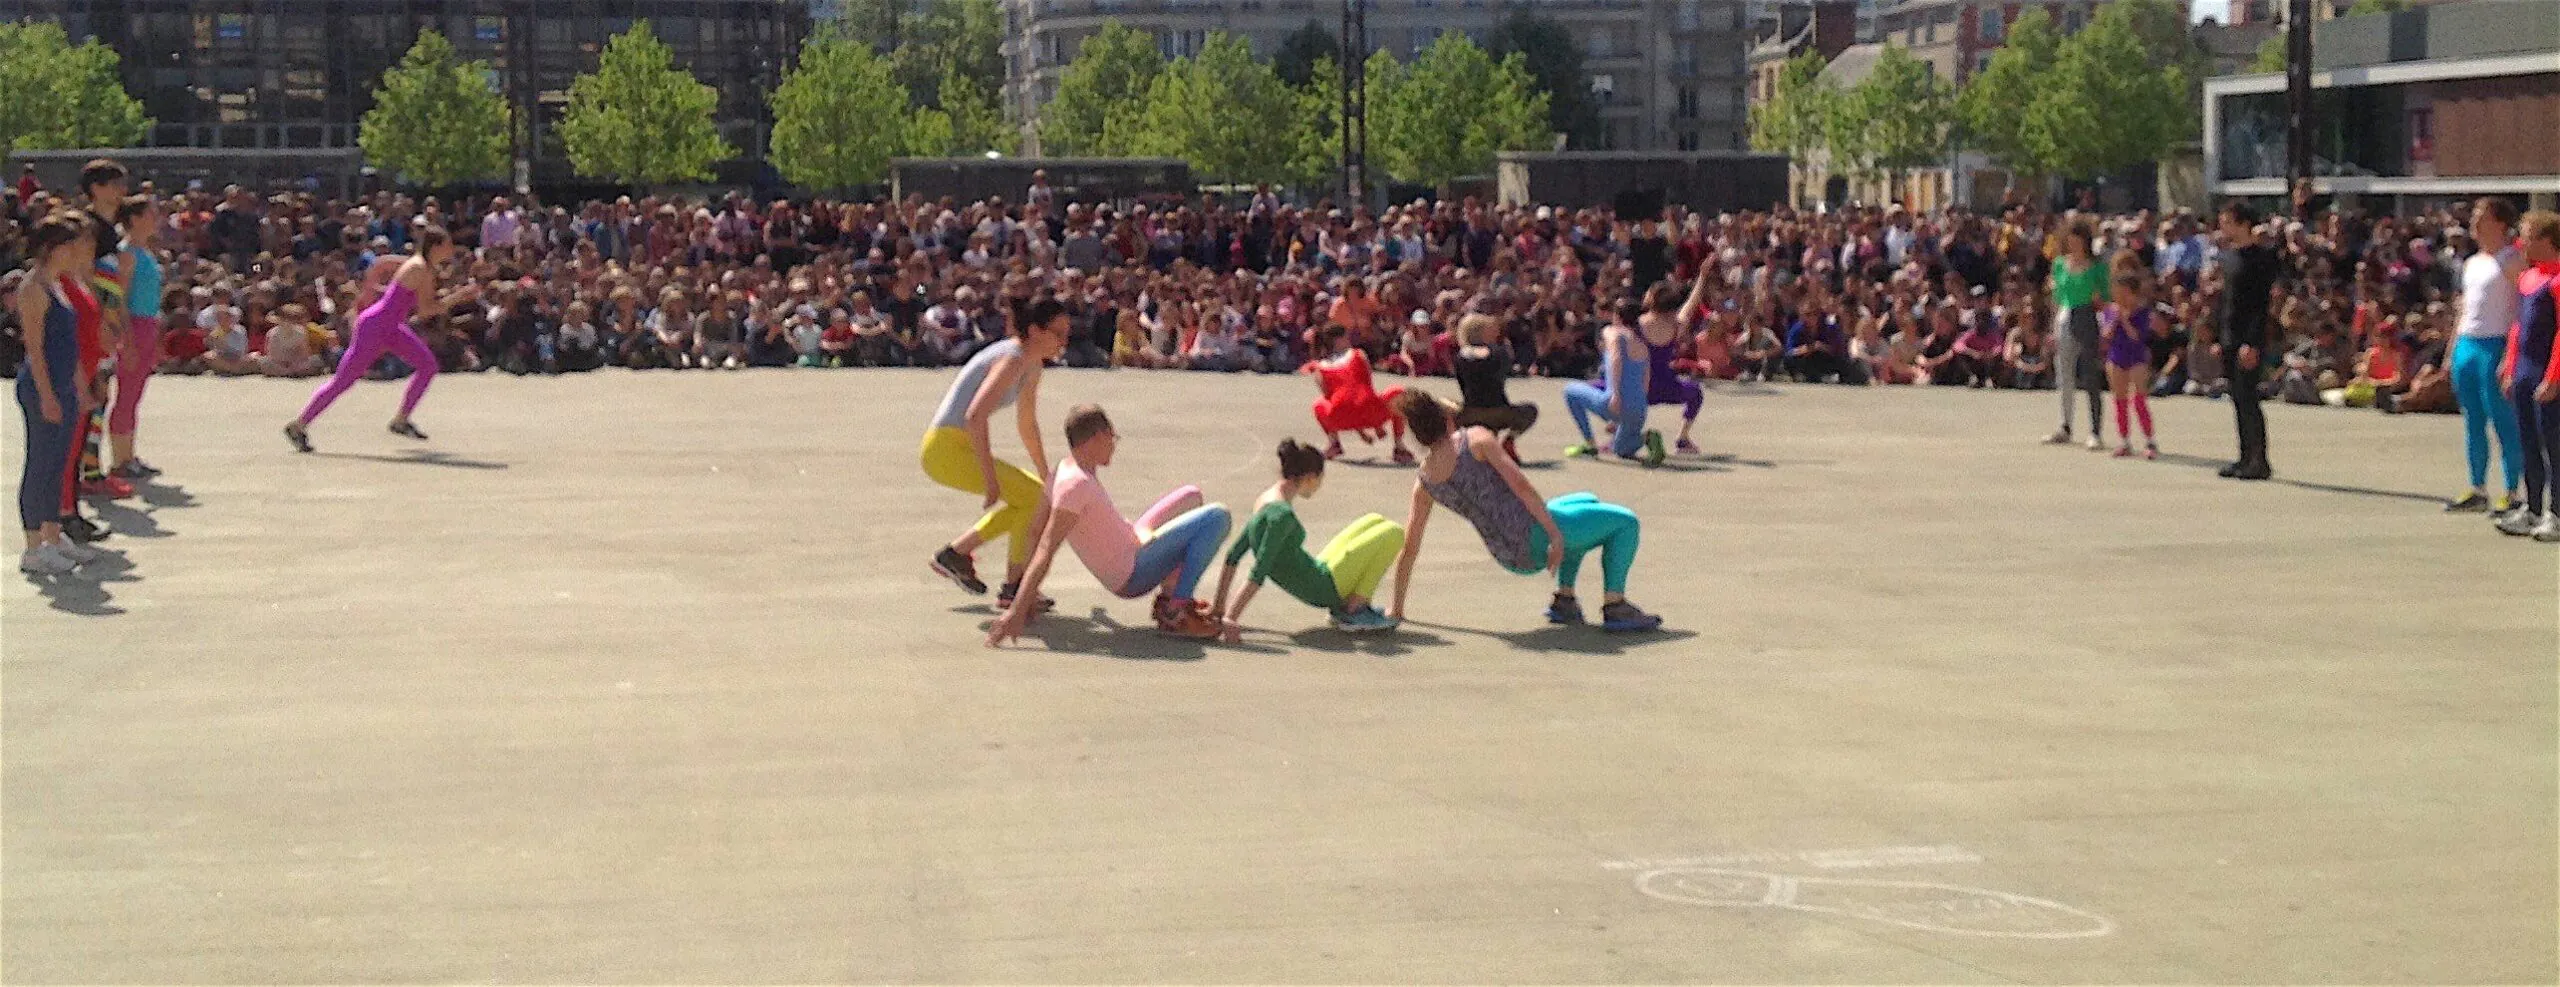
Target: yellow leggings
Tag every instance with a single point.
(1360, 556)
(950, 461)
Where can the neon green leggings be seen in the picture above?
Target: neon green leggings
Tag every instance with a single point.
(1360, 556)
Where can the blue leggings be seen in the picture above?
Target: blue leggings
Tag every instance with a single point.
(2475, 386)
(1184, 548)
(1588, 523)
(2539, 425)
(48, 446)
(1585, 400)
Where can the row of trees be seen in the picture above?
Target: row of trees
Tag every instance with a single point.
(54, 94)
(2118, 93)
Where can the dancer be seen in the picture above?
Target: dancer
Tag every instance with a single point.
(383, 326)
(1666, 323)
(1465, 470)
(2126, 328)
(1169, 550)
(102, 183)
(2249, 277)
(52, 393)
(1351, 401)
(2489, 299)
(2534, 383)
(1483, 362)
(2079, 284)
(1342, 580)
(959, 448)
(1620, 398)
(141, 218)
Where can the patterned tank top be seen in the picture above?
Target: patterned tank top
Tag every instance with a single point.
(1476, 491)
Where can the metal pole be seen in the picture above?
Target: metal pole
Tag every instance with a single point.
(2297, 90)
(1354, 64)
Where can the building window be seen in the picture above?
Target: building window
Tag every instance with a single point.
(1990, 25)
(1688, 140)
(1687, 108)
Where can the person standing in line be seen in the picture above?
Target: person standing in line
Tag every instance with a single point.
(2534, 383)
(2249, 276)
(2079, 286)
(2480, 341)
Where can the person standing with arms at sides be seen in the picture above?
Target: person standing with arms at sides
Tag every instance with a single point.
(2480, 341)
(140, 217)
(103, 181)
(1342, 580)
(2079, 286)
(383, 326)
(2249, 276)
(52, 394)
(2535, 382)
(2127, 328)
(959, 448)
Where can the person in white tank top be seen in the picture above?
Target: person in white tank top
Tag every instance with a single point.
(2480, 342)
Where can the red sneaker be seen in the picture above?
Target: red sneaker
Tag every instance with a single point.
(1403, 457)
(110, 487)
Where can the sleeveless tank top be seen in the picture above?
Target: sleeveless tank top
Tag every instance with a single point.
(954, 412)
(143, 299)
(1476, 491)
(1632, 369)
(394, 307)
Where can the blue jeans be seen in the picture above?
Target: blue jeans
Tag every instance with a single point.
(2484, 409)
(1183, 548)
(1585, 400)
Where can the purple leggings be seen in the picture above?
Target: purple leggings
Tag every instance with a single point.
(1664, 385)
(376, 332)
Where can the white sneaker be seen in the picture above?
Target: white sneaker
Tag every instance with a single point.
(2518, 522)
(78, 553)
(2549, 529)
(42, 560)
(2096, 444)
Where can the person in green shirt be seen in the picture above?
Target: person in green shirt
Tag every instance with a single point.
(1342, 579)
(2079, 284)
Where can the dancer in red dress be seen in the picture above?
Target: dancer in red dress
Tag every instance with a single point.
(1351, 403)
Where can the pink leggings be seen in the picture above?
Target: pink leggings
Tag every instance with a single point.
(372, 338)
(133, 369)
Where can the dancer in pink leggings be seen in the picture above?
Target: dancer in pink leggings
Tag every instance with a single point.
(384, 326)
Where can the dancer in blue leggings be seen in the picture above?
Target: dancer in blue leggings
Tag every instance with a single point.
(1170, 547)
(1622, 401)
(1466, 471)
(2488, 311)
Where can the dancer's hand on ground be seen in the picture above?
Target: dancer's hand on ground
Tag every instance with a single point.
(1009, 626)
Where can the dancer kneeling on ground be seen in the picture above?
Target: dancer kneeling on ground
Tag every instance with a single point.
(1351, 402)
(1342, 580)
(959, 449)
(1619, 399)
(1668, 320)
(1168, 550)
(1466, 471)
(1483, 363)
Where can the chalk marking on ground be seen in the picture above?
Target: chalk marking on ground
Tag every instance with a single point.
(1947, 908)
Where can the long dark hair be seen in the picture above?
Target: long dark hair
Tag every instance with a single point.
(1299, 460)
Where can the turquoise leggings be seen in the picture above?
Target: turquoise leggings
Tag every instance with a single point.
(2485, 407)
(1588, 523)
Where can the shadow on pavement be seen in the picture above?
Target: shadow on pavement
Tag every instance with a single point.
(85, 593)
(1099, 634)
(1386, 644)
(127, 522)
(2202, 462)
(158, 494)
(1585, 640)
(423, 457)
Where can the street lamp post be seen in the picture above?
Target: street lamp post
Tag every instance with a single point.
(1354, 64)
(2297, 101)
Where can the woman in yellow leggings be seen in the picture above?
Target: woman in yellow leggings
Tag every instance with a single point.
(959, 451)
(1341, 579)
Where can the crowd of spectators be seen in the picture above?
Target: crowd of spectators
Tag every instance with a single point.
(1869, 296)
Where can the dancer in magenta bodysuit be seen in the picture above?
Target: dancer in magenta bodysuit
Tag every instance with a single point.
(384, 326)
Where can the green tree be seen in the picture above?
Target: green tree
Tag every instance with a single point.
(1319, 127)
(2363, 7)
(878, 22)
(1108, 78)
(1988, 106)
(1225, 112)
(948, 37)
(1295, 61)
(55, 95)
(1790, 122)
(639, 119)
(1894, 121)
(2107, 104)
(436, 120)
(2271, 55)
(837, 114)
(977, 122)
(1444, 116)
(1555, 61)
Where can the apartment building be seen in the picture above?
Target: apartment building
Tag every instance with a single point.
(1667, 74)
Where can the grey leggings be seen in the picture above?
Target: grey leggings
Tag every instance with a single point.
(2068, 374)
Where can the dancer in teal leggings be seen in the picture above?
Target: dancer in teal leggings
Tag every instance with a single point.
(2480, 344)
(1466, 471)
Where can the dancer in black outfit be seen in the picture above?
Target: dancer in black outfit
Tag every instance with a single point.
(2248, 276)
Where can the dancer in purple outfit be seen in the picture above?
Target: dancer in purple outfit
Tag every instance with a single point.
(384, 326)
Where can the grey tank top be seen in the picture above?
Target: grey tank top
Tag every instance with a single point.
(1476, 491)
(954, 412)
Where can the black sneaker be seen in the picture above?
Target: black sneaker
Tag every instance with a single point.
(959, 569)
(1564, 609)
(299, 436)
(2228, 472)
(408, 429)
(2471, 503)
(2254, 471)
(1623, 617)
(1005, 596)
(83, 530)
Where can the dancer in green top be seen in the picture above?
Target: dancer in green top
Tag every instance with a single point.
(1342, 579)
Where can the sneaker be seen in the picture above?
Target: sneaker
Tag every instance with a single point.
(2471, 503)
(1005, 597)
(2124, 452)
(2508, 502)
(2228, 471)
(1622, 617)
(2549, 529)
(108, 487)
(83, 530)
(1581, 450)
(2151, 451)
(409, 429)
(1366, 620)
(1403, 456)
(45, 560)
(2519, 523)
(135, 469)
(1687, 448)
(1564, 610)
(2096, 444)
(1188, 620)
(2060, 437)
(959, 569)
(299, 436)
(1653, 454)
(78, 553)
(1333, 449)
(2254, 471)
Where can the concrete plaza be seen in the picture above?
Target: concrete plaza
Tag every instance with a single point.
(642, 678)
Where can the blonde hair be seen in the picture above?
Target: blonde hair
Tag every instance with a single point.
(1477, 330)
(2541, 224)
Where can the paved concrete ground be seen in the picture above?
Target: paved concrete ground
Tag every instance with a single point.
(642, 679)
